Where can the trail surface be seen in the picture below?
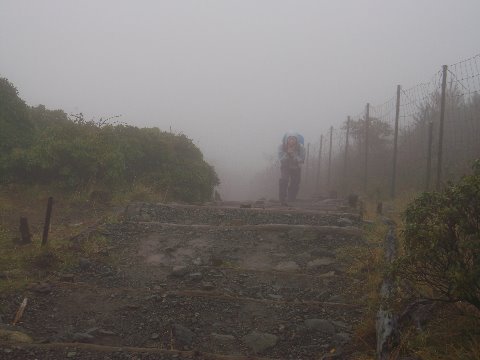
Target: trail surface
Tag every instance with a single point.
(192, 282)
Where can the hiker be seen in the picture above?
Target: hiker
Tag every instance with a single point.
(291, 154)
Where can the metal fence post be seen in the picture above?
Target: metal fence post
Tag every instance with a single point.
(395, 144)
(440, 133)
(345, 161)
(330, 159)
(319, 163)
(429, 155)
(367, 123)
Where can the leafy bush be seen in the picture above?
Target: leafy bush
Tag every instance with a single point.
(442, 241)
(16, 129)
(77, 153)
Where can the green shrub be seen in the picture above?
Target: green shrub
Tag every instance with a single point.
(16, 128)
(442, 241)
(87, 154)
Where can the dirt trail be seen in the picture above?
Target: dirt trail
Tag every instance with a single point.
(213, 282)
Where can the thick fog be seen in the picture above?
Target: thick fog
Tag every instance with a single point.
(232, 75)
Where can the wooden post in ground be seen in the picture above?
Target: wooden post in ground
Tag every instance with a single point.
(46, 226)
(25, 231)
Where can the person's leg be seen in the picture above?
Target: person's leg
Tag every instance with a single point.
(283, 183)
(294, 184)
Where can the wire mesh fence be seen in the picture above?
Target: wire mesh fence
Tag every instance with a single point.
(417, 140)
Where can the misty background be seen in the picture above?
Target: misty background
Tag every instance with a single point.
(234, 76)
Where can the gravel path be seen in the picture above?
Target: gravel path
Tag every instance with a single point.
(198, 282)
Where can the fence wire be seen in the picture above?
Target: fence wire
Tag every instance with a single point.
(359, 156)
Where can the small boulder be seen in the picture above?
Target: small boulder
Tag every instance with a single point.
(258, 341)
(179, 271)
(67, 278)
(84, 264)
(208, 286)
(320, 325)
(14, 336)
(222, 338)
(287, 266)
(82, 337)
(341, 338)
(196, 276)
(183, 335)
(324, 261)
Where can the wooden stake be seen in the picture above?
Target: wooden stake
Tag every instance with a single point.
(20, 311)
(25, 231)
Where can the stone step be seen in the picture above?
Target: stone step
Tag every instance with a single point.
(306, 249)
(286, 263)
(282, 285)
(156, 319)
(80, 351)
(188, 214)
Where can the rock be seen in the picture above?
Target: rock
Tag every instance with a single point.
(71, 354)
(67, 277)
(179, 271)
(275, 297)
(320, 325)
(258, 341)
(197, 276)
(287, 266)
(106, 332)
(216, 261)
(154, 336)
(336, 355)
(341, 338)
(183, 335)
(328, 274)
(84, 264)
(82, 337)
(41, 288)
(341, 324)
(222, 338)
(336, 298)
(208, 286)
(92, 330)
(344, 222)
(324, 261)
(153, 298)
(14, 336)
(197, 261)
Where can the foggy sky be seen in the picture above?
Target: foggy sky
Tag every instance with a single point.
(231, 75)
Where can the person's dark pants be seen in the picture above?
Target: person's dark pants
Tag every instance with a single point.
(289, 183)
